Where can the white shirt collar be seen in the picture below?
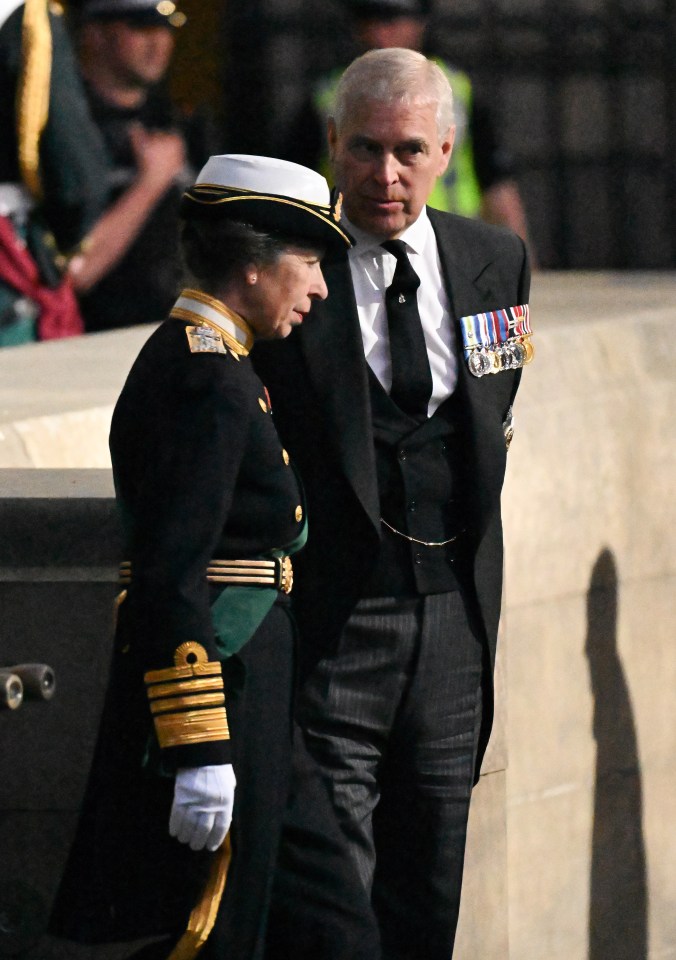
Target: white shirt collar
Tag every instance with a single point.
(372, 269)
(366, 244)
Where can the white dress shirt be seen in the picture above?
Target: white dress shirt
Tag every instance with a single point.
(372, 271)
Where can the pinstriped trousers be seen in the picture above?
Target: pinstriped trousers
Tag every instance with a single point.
(393, 720)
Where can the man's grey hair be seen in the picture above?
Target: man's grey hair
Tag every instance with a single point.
(394, 75)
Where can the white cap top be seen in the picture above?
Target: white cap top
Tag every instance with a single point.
(7, 8)
(266, 175)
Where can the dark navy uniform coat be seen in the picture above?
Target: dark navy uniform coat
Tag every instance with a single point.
(200, 474)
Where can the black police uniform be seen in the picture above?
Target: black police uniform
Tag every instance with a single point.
(200, 475)
(143, 285)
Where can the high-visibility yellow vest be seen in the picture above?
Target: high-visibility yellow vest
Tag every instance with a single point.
(457, 190)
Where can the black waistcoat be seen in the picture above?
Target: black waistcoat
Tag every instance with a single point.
(421, 495)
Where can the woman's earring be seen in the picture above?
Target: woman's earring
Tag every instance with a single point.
(252, 278)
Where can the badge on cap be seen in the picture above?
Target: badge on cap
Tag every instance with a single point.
(497, 340)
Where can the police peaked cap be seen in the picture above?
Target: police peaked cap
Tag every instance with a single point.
(269, 194)
(389, 9)
(163, 13)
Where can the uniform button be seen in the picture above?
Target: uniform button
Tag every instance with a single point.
(412, 506)
(263, 405)
(417, 558)
(299, 513)
(402, 454)
(444, 446)
(285, 457)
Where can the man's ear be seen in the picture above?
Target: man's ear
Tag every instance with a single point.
(446, 149)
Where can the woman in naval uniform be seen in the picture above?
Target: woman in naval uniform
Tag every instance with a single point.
(198, 713)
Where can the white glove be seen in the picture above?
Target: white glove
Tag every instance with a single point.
(202, 807)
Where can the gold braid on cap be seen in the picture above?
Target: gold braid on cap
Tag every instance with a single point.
(187, 701)
(338, 206)
(32, 98)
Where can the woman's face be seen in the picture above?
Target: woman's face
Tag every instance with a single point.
(282, 293)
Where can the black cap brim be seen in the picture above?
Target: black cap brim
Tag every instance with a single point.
(388, 9)
(277, 214)
(140, 18)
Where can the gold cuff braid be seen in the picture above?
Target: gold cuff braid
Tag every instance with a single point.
(193, 726)
(187, 700)
(170, 705)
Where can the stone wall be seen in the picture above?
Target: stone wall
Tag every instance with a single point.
(56, 399)
(590, 529)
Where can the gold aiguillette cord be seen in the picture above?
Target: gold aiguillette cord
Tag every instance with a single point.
(203, 916)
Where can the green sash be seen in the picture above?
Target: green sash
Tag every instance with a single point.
(237, 612)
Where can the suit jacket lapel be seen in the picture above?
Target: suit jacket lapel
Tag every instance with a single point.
(470, 290)
(332, 347)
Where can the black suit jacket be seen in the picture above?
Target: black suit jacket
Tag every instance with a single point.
(318, 381)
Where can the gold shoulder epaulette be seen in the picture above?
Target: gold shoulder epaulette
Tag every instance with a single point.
(187, 700)
(204, 339)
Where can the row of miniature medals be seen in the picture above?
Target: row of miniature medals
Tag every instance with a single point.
(497, 340)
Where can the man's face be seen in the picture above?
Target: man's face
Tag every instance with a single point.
(139, 54)
(386, 159)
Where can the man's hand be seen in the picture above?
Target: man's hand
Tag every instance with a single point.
(159, 155)
(160, 159)
(202, 807)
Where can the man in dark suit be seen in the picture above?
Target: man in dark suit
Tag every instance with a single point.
(396, 403)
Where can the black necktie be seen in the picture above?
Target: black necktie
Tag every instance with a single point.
(411, 375)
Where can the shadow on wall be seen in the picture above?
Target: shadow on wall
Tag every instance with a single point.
(618, 907)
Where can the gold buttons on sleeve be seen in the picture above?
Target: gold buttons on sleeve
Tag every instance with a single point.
(263, 405)
(299, 513)
(285, 457)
